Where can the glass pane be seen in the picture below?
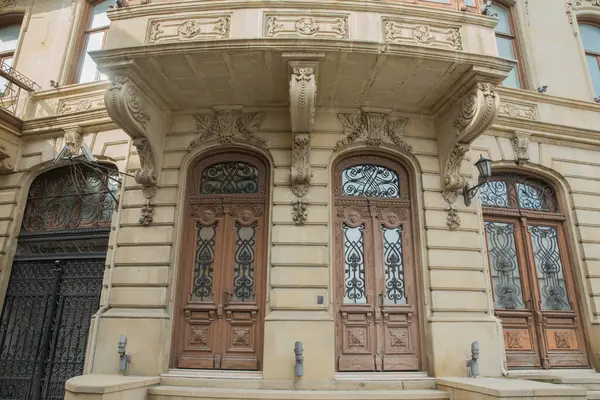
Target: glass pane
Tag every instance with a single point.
(534, 197)
(243, 266)
(371, 181)
(204, 264)
(494, 194)
(394, 268)
(229, 178)
(354, 262)
(4, 83)
(88, 69)
(470, 3)
(512, 80)
(504, 265)
(505, 48)
(549, 268)
(99, 17)
(438, 1)
(503, 19)
(594, 66)
(590, 36)
(8, 38)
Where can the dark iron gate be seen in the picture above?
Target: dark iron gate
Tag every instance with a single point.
(53, 291)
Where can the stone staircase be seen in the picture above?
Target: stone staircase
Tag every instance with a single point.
(587, 379)
(184, 385)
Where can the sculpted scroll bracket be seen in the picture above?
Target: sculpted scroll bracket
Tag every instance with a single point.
(303, 94)
(129, 107)
(464, 122)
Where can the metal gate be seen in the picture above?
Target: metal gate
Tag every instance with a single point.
(53, 291)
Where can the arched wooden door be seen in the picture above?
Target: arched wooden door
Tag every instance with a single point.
(221, 295)
(55, 281)
(376, 296)
(533, 281)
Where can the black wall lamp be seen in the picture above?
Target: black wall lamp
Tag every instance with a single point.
(484, 165)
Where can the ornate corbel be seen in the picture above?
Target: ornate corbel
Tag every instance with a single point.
(460, 125)
(130, 108)
(303, 94)
(520, 146)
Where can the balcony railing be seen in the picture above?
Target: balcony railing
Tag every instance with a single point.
(11, 84)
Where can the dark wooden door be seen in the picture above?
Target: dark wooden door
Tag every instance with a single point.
(222, 264)
(375, 292)
(534, 288)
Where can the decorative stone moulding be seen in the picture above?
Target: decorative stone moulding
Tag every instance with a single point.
(188, 28)
(302, 25)
(396, 31)
(79, 104)
(572, 6)
(519, 110)
(470, 115)
(8, 3)
(8, 155)
(303, 95)
(520, 146)
(229, 126)
(73, 139)
(129, 107)
(374, 127)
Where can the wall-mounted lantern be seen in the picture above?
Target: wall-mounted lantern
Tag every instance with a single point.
(484, 165)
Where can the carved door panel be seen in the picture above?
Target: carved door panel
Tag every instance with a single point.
(376, 292)
(533, 283)
(223, 266)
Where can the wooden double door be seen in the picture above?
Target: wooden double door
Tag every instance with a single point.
(534, 287)
(222, 265)
(376, 296)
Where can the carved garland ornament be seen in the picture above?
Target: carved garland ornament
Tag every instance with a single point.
(374, 128)
(303, 93)
(228, 126)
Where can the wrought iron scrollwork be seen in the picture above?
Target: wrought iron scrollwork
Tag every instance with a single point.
(394, 267)
(243, 268)
(518, 191)
(231, 177)
(354, 258)
(370, 181)
(204, 265)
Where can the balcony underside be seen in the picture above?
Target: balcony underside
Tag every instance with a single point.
(256, 73)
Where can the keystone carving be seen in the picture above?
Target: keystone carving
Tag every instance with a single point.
(73, 139)
(6, 162)
(129, 108)
(520, 145)
(464, 121)
(228, 126)
(374, 128)
(303, 94)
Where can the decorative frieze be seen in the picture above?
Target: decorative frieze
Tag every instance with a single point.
(188, 28)
(519, 110)
(374, 128)
(317, 26)
(425, 35)
(79, 104)
(228, 126)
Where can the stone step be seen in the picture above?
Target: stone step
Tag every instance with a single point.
(254, 381)
(589, 380)
(593, 395)
(186, 393)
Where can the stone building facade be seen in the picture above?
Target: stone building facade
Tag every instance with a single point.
(214, 181)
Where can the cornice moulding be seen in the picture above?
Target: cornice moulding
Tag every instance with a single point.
(70, 90)
(520, 94)
(172, 7)
(88, 120)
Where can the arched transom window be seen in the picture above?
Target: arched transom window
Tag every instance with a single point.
(532, 280)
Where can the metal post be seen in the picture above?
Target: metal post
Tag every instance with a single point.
(299, 352)
(473, 363)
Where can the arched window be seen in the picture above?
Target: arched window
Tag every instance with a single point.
(532, 279)
(590, 37)
(55, 281)
(374, 267)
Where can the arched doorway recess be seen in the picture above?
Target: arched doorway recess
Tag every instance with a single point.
(533, 282)
(222, 264)
(376, 281)
(55, 280)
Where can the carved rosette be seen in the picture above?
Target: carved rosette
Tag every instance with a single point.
(374, 128)
(229, 126)
(470, 117)
(299, 212)
(520, 146)
(128, 108)
(303, 94)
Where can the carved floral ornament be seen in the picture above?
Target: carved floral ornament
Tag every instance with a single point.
(572, 5)
(374, 128)
(520, 146)
(228, 126)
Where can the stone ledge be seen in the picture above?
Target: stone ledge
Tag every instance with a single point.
(508, 388)
(101, 384)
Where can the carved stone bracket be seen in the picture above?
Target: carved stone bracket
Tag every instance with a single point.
(132, 110)
(374, 127)
(303, 95)
(520, 145)
(6, 163)
(464, 121)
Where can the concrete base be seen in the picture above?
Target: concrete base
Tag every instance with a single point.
(109, 387)
(496, 388)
